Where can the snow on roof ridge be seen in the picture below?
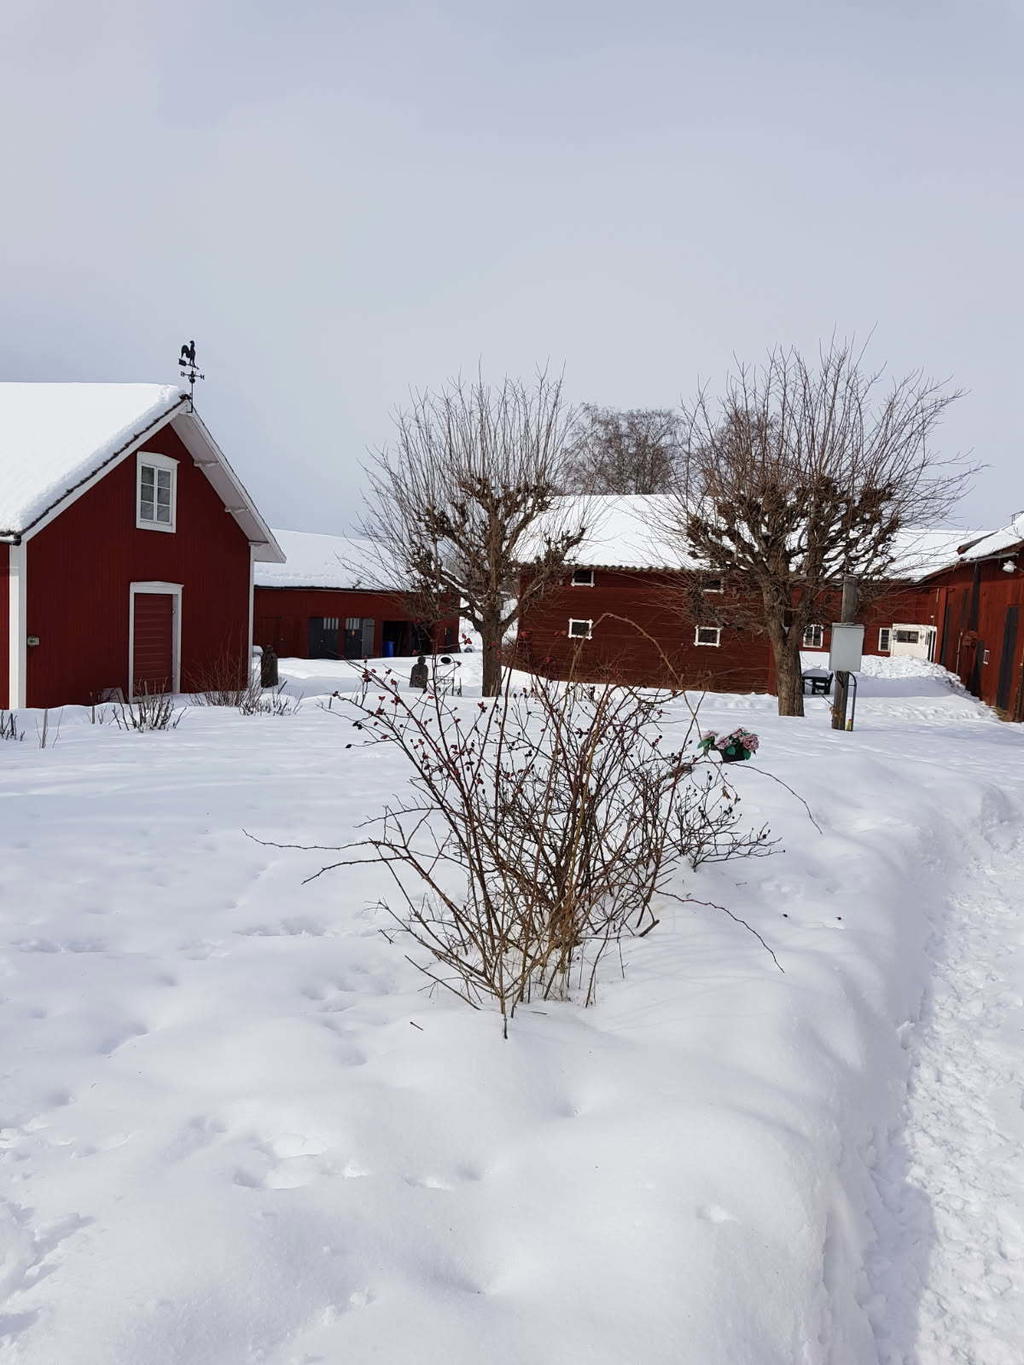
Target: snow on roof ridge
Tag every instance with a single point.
(318, 559)
(55, 436)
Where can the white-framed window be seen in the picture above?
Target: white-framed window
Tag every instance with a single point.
(884, 635)
(580, 630)
(714, 585)
(814, 637)
(156, 492)
(707, 635)
(583, 578)
(908, 637)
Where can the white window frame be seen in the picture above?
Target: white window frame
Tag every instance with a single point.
(172, 590)
(148, 460)
(578, 582)
(708, 644)
(716, 579)
(576, 621)
(821, 637)
(887, 632)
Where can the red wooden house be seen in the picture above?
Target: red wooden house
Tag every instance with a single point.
(626, 609)
(327, 601)
(126, 545)
(977, 603)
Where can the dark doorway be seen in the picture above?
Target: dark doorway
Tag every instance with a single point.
(1006, 659)
(323, 637)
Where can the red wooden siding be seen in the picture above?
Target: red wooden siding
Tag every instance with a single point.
(81, 566)
(282, 616)
(644, 632)
(5, 623)
(153, 642)
(979, 609)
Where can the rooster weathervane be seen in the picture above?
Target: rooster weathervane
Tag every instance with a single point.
(189, 370)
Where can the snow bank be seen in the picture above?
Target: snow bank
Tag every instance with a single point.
(238, 1130)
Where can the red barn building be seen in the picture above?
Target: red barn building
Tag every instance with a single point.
(126, 545)
(626, 609)
(326, 602)
(977, 604)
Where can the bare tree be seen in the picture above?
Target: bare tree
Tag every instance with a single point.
(803, 472)
(625, 452)
(471, 469)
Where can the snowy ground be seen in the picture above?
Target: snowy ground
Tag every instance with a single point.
(235, 1130)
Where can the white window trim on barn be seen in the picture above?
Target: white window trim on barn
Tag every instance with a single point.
(174, 590)
(157, 463)
(708, 644)
(884, 639)
(576, 635)
(585, 582)
(817, 637)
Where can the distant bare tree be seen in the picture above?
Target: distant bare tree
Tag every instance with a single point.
(625, 452)
(803, 472)
(471, 469)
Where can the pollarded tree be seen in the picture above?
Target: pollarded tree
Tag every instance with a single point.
(804, 472)
(470, 470)
(625, 452)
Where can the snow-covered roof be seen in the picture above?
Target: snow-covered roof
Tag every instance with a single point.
(622, 532)
(630, 532)
(321, 561)
(994, 542)
(55, 437)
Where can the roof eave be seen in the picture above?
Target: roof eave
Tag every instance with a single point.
(200, 444)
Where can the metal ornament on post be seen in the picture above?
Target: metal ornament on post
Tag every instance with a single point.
(190, 370)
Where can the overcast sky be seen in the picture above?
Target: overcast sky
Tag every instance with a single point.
(344, 200)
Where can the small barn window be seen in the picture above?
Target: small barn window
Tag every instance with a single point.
(583, 578)
(156, 492)
(908, 637)
(707, 635)
(714, 585)
(883, 640)
(580, 630)
(814, 637)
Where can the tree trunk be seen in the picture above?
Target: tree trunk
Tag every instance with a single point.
(789, 678)
(490, 641)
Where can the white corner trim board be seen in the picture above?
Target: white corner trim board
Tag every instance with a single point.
(17, 669)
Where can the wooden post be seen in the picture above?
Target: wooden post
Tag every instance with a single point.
(841, 684)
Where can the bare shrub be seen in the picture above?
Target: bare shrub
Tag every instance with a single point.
(225, 682)
(275, 702)
(539, 829)
(148, 711)
(9, 726)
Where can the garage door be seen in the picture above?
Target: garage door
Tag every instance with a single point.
(153, 642)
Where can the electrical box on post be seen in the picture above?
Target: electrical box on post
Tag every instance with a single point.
(847, 647)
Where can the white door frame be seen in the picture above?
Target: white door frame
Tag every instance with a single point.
(174, 591)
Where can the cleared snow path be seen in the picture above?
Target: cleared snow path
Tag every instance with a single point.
(948, 1274)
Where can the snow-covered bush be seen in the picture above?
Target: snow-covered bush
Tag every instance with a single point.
(540, 828)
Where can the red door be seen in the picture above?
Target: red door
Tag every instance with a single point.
(153, 643)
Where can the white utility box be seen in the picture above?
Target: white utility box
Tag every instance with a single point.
(847, 647)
